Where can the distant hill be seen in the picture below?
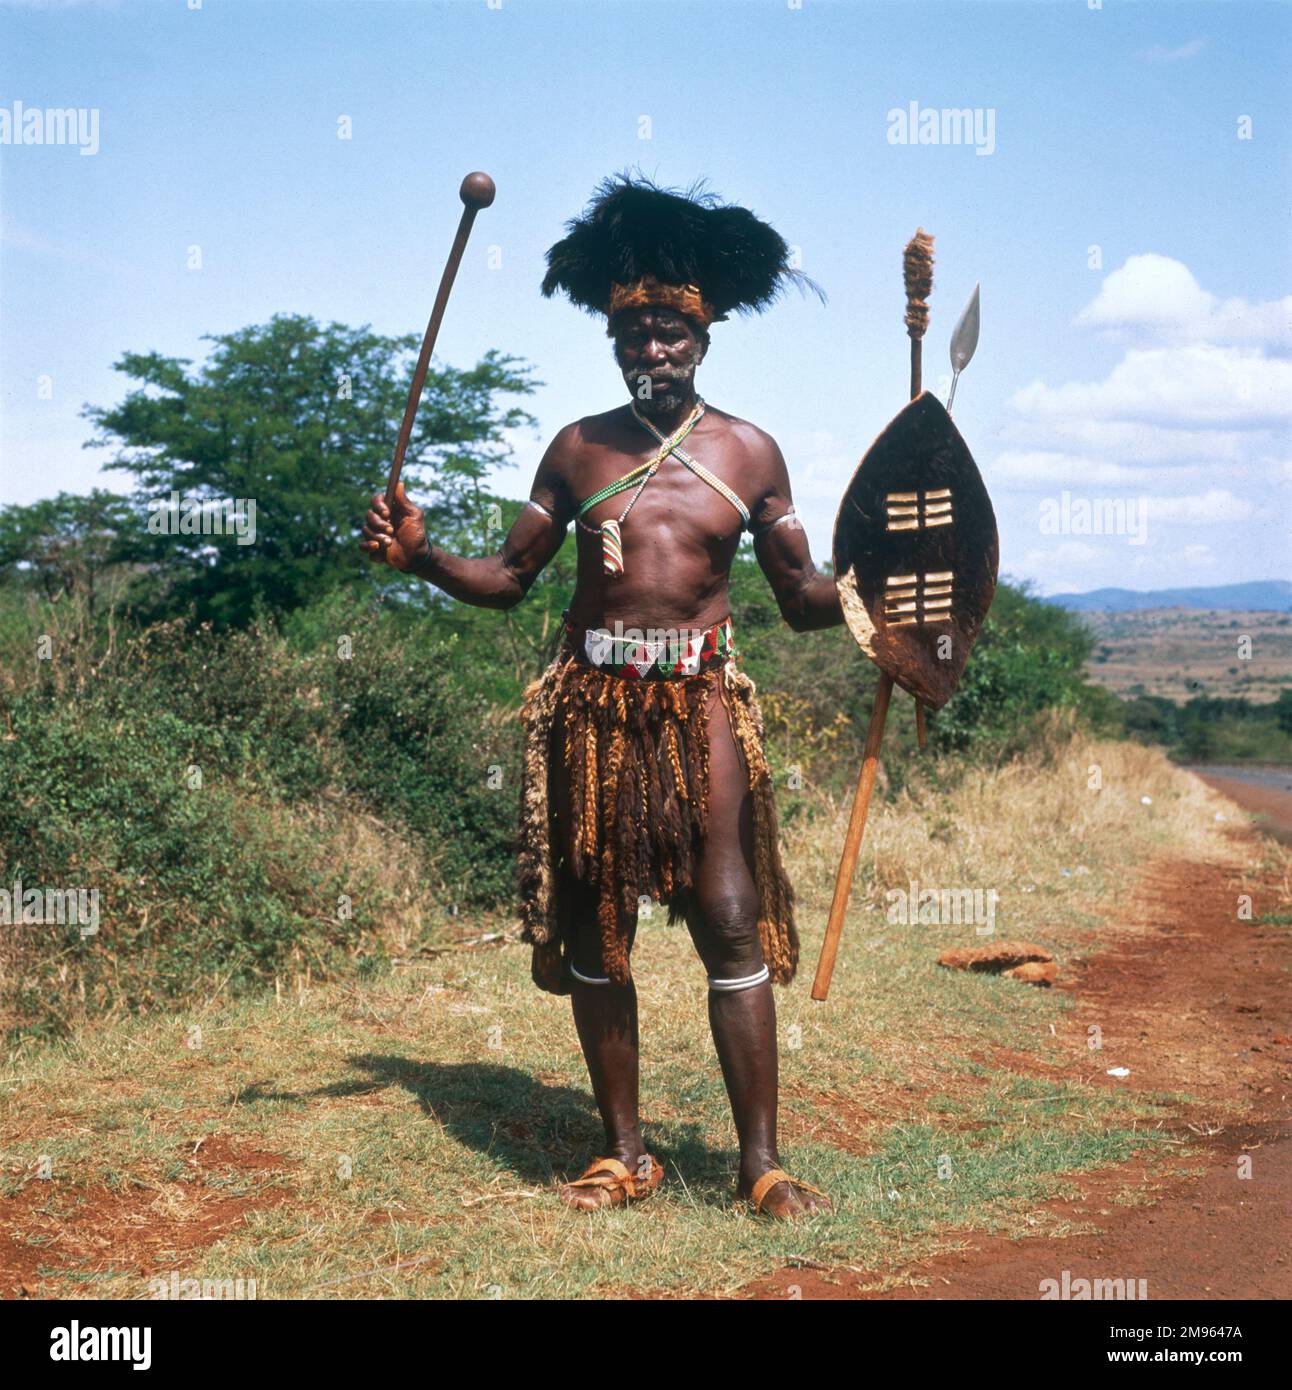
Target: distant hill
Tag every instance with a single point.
(1262, 595)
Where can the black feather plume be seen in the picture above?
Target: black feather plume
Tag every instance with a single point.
(632, 228)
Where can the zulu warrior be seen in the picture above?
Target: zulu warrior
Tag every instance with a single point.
(645, 774)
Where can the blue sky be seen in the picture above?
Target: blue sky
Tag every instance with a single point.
(1154, 370)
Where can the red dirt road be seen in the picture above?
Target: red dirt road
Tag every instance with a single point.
(1258, 791)
(1191, 999)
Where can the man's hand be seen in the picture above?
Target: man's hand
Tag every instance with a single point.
(403, 544)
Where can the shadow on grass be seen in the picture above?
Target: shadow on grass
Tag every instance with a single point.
(541, 1132)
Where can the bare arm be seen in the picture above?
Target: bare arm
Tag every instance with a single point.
(807, 598)
(488, 581)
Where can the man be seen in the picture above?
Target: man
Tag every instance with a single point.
(645, 777)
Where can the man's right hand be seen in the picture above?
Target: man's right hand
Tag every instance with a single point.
(400, 541)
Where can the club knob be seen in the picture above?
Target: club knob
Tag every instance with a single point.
(477, 190)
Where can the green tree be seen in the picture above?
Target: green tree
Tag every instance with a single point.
(1030, 656)
(65, 544)
(299, 418)
(1283, 711)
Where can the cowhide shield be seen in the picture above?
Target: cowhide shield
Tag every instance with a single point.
(916, 551)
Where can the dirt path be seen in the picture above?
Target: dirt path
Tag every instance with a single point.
(1190, 998)
(1265, 792)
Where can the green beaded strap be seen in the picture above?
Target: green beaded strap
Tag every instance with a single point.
(621, 485)
(627, 481)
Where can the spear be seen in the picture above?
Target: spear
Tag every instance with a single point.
(917, 271)
(964, 342)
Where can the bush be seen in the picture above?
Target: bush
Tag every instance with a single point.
(202, 782)
(214, 785)
(1030, 658)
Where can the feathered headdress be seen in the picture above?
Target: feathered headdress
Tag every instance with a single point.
(638, 244)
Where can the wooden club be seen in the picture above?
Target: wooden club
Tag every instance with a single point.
(477, 192)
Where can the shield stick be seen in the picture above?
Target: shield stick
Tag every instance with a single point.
(477, 192)
(852, 842)
(917, 271)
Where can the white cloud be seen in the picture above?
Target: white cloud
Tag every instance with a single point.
(1159, 298)
(1195, 386)
(1191, 422)
(1183, 450)
(1065, 553)
(21, 239)
(1067, 565)
(1161, 54)
(1215, 506)
(1047, 468)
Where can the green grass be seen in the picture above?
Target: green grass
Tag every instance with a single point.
(430, 1112)
(456, 1093)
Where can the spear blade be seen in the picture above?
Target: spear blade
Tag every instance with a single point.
(964, 341)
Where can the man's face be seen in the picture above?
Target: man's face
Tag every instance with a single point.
(657, 351)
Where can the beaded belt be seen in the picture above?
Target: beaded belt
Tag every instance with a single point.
(656, 654)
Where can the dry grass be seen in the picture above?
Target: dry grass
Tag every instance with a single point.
(1015, 827)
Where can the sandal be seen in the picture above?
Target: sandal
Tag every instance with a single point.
(769, 1180)
(617, 1181)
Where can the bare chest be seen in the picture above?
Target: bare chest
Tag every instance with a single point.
(673, 500)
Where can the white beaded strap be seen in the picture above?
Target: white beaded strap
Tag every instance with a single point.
(539, 507)
(694, 465)
(746, 982)
(589, 979)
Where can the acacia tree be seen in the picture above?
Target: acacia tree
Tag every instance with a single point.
(66, 544)
(301, 418)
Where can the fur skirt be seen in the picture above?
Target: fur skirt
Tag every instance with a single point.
(638, 756)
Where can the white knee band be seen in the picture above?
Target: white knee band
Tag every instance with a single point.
(745, 982)
(589, 979)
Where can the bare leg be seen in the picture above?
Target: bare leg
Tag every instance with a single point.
(724, 927)
(605, 1017)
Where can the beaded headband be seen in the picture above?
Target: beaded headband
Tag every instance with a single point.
(686, 299)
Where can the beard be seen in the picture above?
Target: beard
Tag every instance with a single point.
(668, 390)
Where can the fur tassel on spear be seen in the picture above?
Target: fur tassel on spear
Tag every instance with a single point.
(917, 271)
